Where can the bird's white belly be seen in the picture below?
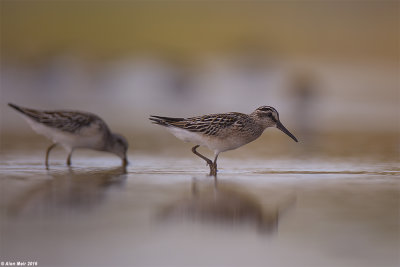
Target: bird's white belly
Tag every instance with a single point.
(89, 139)
(187, 136)
(213, 143)
(225, 144)
(77, 141)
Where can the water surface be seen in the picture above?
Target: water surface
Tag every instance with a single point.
(164, 211)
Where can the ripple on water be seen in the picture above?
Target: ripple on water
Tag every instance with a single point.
(163, 211)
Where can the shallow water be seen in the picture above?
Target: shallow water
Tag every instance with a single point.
(164, 211)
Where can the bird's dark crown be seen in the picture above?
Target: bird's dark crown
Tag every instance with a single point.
(120, 140)
(267, 111)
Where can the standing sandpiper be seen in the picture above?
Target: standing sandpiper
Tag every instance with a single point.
(222, 132)
(74, 129)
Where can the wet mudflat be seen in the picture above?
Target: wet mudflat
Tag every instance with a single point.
(166, 212)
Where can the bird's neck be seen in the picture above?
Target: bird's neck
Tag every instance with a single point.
(261, 124)
(109, 144)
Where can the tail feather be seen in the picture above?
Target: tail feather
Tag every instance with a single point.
(165, 121)
(17, 108)
(31, 113)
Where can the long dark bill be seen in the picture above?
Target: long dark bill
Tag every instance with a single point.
(280, 126)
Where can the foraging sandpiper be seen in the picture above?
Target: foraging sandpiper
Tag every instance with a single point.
(222, 132)
(74, 129)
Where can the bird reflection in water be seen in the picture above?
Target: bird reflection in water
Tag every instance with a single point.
(67, 192)
(227, 203)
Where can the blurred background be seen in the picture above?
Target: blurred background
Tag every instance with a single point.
(331, 69)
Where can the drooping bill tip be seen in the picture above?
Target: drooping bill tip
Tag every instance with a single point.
(280, 126)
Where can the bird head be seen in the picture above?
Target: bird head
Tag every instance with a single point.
(269, 117)
(119, 147)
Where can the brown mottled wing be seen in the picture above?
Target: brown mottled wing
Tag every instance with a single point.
(67, 121)
(209, 124)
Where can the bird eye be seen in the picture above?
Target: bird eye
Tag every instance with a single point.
(269, 114)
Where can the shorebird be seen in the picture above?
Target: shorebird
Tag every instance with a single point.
(74, 129)
(222, 132)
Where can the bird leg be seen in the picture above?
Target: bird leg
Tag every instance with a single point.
(47, 154)
(209, 162)
(213, 165)
(214, 171)
(69, 158)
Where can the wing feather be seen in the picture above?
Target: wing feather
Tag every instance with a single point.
(67, 121)
(209, 124)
